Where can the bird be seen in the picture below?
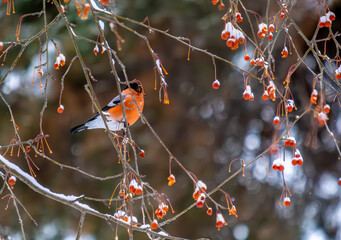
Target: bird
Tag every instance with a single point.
(114, 110)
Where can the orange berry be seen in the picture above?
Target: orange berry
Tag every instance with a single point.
(154, 225)
(300, 162)
(104, 2)
(171, 180)
(330, 16)
(271, 28)
(260, 63)
(221, 6)
(12, 180)
(138, 191)
(270, 37)
(287, 202)
(282, 14)
(326, 109)
(246, 96)
(209, 211)
(224, 35)
(200, 204)
(60, 109)
(121, 193)
(265, 96)
(276, 120)
(28, 149)
(215, 2)
(196, 195)
(216, 84)
(246, 57)
(287, 143)
(220, 221)
(294, 161)
(281, 168)
(328, 23)
(233, 211)
(239, 17)
(252, 97)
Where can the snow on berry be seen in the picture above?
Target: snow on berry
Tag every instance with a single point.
(171, 180)
(154, 225)
(265, 95)
(313, 97)
(278, 164)
(284, 52)
(290, 142)
(290, 105)
(326, 109)
(338, 72)
(322, 118)
(287, 202)
(60, 109)
(216, 84)
(276, 120)
(220, 221)
(247, 93)
(12, 180)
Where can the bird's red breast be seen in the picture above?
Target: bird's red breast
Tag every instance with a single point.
(132, 112)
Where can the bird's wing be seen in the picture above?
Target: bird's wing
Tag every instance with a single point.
(113, 103)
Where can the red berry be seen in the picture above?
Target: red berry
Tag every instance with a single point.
(104, 2)
(142, 153)
(265, 96)
(12, 180)
(331, 16)
(287, 202)
(281, 168)
(154, 225)
(200, 204)
(270, 37)
(328, 23)
(300, 162)
(294, 161)
(282, 14)
(60, 109)
(209, 211)
(221, 6)
(276, 120)
(339, 182)
(246, 57)
(215, 2)
(216, 84)
(326, 109)
(271, 28)
(246, 96)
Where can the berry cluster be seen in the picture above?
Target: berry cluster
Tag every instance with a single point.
(233, 36)
(135, 188)
(278, 164)
(326, 20)
(297, 160)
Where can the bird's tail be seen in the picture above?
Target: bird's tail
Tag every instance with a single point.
(79, 128)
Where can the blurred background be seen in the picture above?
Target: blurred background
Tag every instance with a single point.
(204, 128)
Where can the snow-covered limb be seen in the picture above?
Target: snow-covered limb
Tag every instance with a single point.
(69, 200)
